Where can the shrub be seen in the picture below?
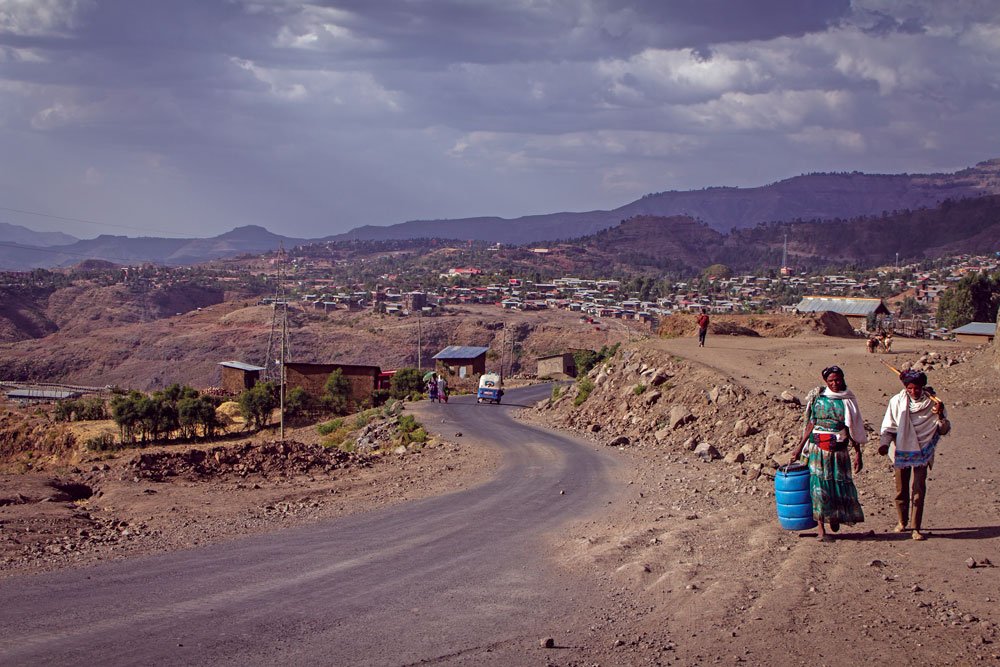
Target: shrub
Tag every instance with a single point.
(102, 443)
(586, 386)
(257, 403)
(556, 391)
(326, 428)
(406, 382)
(638, 389)
(335, 392)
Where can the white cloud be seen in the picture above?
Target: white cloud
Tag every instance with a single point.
(40, 17)
(826, 138)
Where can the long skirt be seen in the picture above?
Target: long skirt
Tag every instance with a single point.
(834, 496)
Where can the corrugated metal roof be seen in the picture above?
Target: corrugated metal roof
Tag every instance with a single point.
(42, 394)
(844, 306)
(461, 352)
(977, 328)
(240, 366)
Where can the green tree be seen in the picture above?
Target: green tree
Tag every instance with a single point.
(194, 413)
(336, 392)
(406, 382)
(299, 403)
(257, 403)
(973, 299)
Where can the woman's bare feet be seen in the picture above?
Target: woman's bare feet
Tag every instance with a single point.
(900, 527)
(917, 535)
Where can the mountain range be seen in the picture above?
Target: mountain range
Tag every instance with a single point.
(810, 197)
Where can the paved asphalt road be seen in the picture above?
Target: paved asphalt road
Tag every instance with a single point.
(457, 579)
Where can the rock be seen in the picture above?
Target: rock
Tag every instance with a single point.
(876, 563)
(713, 394)
(679, 415)
(652, 397)
(735, 457)
(594, 428)
(970, 563)
(620, 441)
(399, 450)
(691, 443)
(742, 428)
(458, 435)
(707, 452)
(659, 378)
(662, 435)
(547, 642)
(773, 444)
(789, 397)
(916, 588)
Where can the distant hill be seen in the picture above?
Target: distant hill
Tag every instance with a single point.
(250, 239)
(682, 244)
(23, 236)
(812, 196)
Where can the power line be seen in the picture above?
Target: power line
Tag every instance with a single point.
(83, 220)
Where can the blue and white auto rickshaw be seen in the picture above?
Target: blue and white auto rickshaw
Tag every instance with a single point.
(490, 388)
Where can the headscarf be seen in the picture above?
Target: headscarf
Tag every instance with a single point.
(913, 377)
(827, 372)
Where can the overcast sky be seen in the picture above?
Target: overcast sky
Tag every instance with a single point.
(191, 117)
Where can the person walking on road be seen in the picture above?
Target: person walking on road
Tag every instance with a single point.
(442, 389)
(914, 422)
(833, 422)
(432, 389)
(702, 327)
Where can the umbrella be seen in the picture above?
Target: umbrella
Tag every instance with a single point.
(428, 375)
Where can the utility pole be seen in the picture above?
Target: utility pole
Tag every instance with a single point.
(281, 386)
(420, 349)
(503, 348)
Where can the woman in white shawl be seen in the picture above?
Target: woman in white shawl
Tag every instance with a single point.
(833, 423)
(913, 423)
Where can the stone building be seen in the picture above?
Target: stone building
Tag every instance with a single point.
(559, 366)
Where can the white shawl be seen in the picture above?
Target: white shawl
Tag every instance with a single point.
(855, 424)
(914, 424)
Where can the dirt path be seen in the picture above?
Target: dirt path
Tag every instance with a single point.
(698, 572)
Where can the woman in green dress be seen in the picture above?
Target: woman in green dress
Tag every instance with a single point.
(833, 423)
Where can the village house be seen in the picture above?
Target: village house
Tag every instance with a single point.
(362, 380)
(976, 332)
(237, 376)
(463, 361)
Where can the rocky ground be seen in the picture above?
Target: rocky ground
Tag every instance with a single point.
(689, 562)
(694, 566)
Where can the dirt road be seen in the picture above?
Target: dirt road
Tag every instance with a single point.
(458, 578)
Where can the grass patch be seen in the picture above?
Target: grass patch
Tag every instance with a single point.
(585, 386)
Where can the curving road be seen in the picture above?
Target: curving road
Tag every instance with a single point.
(457, 578)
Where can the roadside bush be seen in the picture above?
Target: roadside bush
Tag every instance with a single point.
(585, 386)
(406, 382)
(556, 391)
(638, 389)
(585, 360)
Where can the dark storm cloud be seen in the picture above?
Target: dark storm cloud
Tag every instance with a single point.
(315, 117)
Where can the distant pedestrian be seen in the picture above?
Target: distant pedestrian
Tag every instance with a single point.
(442, 389)
(913, 424)
(432, 389)
(702, 327)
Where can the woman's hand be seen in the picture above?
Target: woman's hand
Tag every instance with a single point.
(858, 463)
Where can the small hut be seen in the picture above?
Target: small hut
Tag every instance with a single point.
(237, 376)
(462, 360)
(560, 366)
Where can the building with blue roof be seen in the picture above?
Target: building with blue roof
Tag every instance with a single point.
(462, 360)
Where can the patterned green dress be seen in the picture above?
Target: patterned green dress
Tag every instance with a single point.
(834, 496)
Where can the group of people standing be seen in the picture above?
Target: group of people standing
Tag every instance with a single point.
(881, 341)
(914, 421)
(437, 388)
